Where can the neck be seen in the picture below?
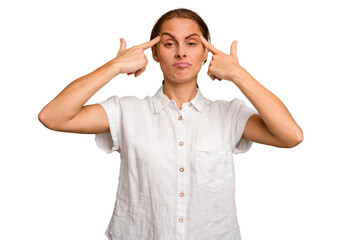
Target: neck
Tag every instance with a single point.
(180, 93)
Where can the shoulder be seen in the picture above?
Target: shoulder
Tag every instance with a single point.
(235, 109)
(125, 102)
(226, 104)
(126, 99)
(135, 102)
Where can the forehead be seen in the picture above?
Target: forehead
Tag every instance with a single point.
(180, 27)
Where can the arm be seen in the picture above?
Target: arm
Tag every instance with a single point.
(67, 113)
(274, 124)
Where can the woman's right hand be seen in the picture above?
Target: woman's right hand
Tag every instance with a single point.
(133, 60)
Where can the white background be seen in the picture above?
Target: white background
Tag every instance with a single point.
(56, 185)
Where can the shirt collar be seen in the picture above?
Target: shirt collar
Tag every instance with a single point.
(160, 100)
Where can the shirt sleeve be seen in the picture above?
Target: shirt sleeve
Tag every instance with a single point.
(239, 115)
(111, 141)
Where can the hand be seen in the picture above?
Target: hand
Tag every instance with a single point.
(222, 66)
(133, 60)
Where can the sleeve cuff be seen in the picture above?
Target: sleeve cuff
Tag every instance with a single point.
(243, 145)
(109, 141)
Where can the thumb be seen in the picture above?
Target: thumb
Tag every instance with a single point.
(122, 45)
(233, 50)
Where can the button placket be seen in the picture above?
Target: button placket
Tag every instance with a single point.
(181, 178)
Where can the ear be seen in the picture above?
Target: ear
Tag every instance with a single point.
(205, 55)
(154, 53)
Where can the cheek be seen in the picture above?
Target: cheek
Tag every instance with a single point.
(164, 53)
(198, 54)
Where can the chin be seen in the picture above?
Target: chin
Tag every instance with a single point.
(180, 77)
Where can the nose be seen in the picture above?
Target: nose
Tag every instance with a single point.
(180, 52)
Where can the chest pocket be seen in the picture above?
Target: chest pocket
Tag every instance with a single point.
(214, 168)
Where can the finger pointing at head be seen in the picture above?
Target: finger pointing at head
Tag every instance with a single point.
(150, 43)
(209, 46)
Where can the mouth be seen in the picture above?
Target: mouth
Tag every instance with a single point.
(181, 64)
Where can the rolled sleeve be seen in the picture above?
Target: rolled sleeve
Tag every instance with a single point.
(239, 115)
(111, 141)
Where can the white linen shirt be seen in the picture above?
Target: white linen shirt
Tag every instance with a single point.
(177, 178)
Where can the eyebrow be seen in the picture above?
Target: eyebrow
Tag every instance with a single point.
(194, 34)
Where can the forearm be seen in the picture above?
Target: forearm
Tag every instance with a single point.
(68, 103)
(272, 111)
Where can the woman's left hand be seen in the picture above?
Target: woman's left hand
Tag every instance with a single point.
(222, 65)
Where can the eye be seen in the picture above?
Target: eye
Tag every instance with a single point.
(172, 44)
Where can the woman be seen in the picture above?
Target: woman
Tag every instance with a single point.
(177, 176)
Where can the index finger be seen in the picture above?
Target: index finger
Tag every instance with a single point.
(150, 43)
(209, 46)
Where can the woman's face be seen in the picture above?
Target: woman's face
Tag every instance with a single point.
(180, 42)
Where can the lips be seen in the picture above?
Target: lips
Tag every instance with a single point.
(181, 64)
